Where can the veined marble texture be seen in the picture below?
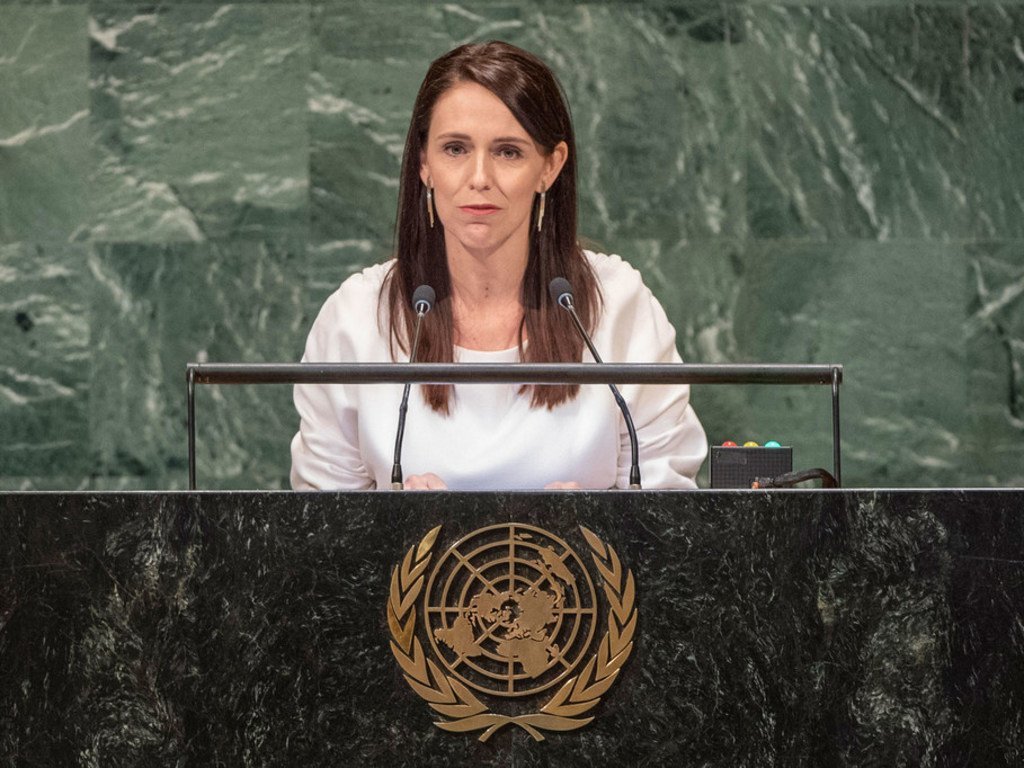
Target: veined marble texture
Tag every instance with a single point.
(45, 355)
(238, 302)
(833, 181)
(793, 628)
(199, 121)
(44, 123)
(995, 336)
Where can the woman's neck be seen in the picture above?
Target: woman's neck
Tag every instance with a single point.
(486, 297)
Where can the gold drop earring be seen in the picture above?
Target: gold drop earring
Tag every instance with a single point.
(540, 210)
(430, 204)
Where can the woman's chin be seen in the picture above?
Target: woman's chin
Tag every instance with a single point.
(478, 239)
(485, 238)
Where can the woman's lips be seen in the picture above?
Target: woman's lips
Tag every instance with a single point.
(479, 210)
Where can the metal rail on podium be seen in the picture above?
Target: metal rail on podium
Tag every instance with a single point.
(514, 373)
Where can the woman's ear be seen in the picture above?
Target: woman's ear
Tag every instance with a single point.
(553, 165)
(424, 169)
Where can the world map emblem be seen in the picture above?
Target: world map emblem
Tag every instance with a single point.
(510, 614)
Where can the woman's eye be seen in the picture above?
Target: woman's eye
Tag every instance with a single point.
(454, 149)
(510, 153)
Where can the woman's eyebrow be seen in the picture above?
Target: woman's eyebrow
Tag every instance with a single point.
(498, 140)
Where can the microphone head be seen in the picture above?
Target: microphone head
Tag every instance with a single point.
(423, 299)
(561, 292)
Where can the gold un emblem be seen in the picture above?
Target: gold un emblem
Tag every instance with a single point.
(510, 612)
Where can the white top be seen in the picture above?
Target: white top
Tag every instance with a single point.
(493, 439)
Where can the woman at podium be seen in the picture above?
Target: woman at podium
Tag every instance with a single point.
(487, 218)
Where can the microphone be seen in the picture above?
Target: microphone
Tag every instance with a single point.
(561, 294)
(422, 302)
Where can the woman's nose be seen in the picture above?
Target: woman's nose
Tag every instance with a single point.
(481, 173)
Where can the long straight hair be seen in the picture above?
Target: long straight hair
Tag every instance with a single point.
(532, 93)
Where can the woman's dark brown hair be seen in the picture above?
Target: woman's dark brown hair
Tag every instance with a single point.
(532, 93)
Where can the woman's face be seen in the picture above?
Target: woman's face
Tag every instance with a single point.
(485, 170)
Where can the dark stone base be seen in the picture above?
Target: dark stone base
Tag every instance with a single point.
(776, 628)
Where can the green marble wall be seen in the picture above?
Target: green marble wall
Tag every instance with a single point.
(812, 182)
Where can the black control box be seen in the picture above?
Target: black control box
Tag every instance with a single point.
(739, 467)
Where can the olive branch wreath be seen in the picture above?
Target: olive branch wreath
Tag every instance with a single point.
(466, 713)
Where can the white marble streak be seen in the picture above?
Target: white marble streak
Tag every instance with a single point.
(37, 132)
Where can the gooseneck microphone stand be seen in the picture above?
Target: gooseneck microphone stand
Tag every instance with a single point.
(422, 302)
(561, 292)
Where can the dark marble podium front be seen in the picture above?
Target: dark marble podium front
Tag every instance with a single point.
(776, 628)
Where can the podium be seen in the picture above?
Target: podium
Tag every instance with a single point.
(770, 627)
